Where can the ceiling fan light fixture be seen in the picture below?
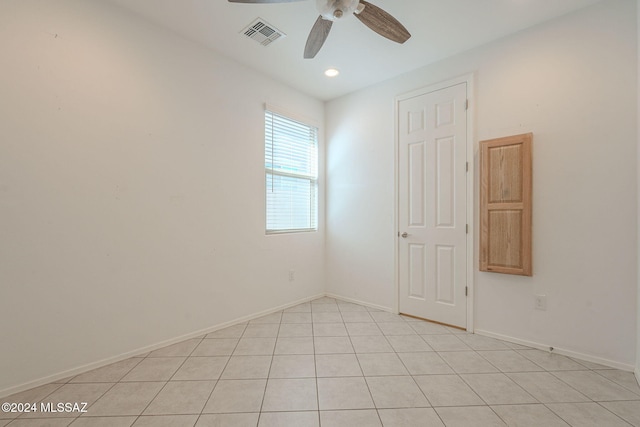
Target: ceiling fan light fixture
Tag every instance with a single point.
(331, 72)
(332, 10)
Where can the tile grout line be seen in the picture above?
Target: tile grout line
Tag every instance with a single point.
(167, 382)
(315, 364)
(266, 384)
(114, 384)
(221, 372)
(375, 406)
(599, 403)
(413, 376)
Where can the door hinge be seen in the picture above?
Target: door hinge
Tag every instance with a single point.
(467, 167)
(466, 291)
(467, 229)
(466, 104)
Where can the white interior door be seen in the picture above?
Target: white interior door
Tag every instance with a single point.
(432, 211)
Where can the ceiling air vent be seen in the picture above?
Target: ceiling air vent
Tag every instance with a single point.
(262, 32)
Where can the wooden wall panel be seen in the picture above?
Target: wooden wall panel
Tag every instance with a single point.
(505, 205)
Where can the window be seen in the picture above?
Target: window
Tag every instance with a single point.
(291, 169)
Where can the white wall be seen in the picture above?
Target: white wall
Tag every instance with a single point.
(131, 190)
(572, 82)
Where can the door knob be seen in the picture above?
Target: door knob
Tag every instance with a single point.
(405, 235)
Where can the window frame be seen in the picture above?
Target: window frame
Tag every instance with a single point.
(313, 177)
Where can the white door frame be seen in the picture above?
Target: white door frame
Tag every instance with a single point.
(469, 80)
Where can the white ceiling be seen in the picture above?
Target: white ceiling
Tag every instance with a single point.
(439, 28)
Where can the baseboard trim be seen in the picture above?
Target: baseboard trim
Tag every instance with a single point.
(143, 350)
(559, 350)
(355, 301)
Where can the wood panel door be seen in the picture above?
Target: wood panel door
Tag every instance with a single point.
(432, 211)
(505, 205)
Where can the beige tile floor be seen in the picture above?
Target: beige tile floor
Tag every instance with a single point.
(332, 363)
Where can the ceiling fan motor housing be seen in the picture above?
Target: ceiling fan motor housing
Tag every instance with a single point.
(333, 10)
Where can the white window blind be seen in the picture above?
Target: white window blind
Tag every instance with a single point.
(291, 169)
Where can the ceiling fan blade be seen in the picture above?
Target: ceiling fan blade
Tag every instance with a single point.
(317, 37)
(382, 23)
(261, 1)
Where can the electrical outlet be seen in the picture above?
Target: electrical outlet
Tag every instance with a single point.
(292, 275)
(541, 302)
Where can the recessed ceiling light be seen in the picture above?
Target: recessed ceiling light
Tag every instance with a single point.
(331, 72)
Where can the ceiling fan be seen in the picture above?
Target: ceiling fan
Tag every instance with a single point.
(332, 10)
